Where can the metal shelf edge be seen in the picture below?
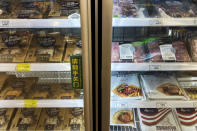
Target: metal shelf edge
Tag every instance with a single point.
(5, 67)
(43, 103)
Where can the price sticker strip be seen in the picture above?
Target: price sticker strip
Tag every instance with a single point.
(23, 67)
(30, 103)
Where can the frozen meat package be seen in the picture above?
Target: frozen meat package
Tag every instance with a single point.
(125, 86)
(162, 86)
(158, 119)
(193, 46)
(187, 118)
(123, 117)
(188, 82)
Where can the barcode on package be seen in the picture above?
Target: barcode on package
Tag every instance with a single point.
(167, 128)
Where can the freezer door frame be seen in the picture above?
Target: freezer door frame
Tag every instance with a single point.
(106, 61)
(85, 12)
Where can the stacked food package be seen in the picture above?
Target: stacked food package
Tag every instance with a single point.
(154, 86)
(14, 46)
(126, 87)
(12, 87)
(162, 86)
(64, 8)
(154, 8)
(150, 50)
(36, 119)
(38, 9)
(154, 119)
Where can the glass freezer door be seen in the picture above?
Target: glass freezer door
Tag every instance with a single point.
(149, 65)
(45, 64)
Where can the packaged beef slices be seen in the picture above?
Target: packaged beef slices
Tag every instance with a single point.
(154, 50)
(181, 52)
(162, 86)
(115, 57)
(187, 118)
(140, 52)
(193, 46)
(158, 119)
(125, 87)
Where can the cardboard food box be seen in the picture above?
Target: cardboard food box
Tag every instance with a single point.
(26, 119)
(3, 78)
(74, 120)
(41, 91)
(17, 88)
(62, 91)
(51, 119)
(74, 47)
(5, 9)
(30, 10)
(63, 9)
(48, 48)
(5, 118)
(14, 46)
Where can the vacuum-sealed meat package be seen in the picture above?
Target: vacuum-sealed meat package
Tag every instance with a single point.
(140, 53)
(154, 51)
(162, 86)
(115, 52)
(158, 119)
(125, 86)
(176, 9)
(189, 85)
(181, 52)
(187, 118)
(193, 46)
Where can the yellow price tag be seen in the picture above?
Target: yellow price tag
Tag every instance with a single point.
(30, 103)
(23, 67)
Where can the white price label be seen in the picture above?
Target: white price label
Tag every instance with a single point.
(195, 104)
(161, 105)
(195, 21)
(5, 23)
(155, 22)
(154, 67)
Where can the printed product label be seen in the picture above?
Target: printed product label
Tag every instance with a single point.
(167, 52)
(126, 51)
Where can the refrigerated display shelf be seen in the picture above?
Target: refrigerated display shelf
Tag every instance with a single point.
(69, 103)
(158, 22)
(40, 23)
(162, 66)
(5, 67)
(153, 104)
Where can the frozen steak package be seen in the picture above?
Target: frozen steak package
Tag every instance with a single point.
(189, 85)
(162, 86)
(158, 119)
(115, 56)
(181, 52)
(154, 50)
(187, 118)
(176, 9)
(128, 8)
(122, 117)
(140, 52)
(125, 87)
(193, 46)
